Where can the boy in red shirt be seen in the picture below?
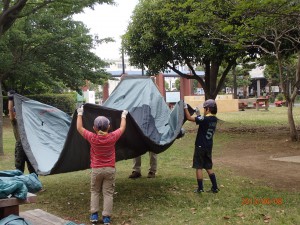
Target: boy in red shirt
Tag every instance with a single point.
(102, 155)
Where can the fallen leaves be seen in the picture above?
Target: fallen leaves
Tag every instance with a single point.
(241, 215)
(266, 218)
(128, 222)
(193, 210)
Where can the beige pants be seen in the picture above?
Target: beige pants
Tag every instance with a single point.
(102, 180)
(137, 162)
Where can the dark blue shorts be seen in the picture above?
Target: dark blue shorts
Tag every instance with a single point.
(202, 158)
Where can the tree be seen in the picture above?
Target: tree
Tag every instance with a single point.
(239, 77)
(167, 86)
(271, 74)
(12, 10)
(44, 53)
(177, 84)
(164, 34)
(273, 26)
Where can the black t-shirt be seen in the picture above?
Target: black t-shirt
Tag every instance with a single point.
(207, 126)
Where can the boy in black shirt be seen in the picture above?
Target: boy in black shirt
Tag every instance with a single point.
(204, 142)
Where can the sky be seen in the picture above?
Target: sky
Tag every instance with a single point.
(108, 21)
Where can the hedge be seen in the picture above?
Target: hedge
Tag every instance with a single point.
(64, 102)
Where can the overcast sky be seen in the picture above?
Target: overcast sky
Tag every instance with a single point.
(108, 21)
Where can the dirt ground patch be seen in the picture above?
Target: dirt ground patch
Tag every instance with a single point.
(251, 155)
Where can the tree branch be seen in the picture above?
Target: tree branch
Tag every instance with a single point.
(223, 77)
(10, 14)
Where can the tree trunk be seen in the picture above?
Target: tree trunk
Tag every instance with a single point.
(234, 83)
(289, 99)
(9, 14)
(1, 121)
(293, 130)
(214, 70)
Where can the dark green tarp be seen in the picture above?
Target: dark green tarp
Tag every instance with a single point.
(53, 145)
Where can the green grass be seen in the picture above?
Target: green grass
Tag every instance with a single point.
(275, 116)
(169, 199)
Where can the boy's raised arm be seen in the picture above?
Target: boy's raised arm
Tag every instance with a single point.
(79, 120)
(123, 121)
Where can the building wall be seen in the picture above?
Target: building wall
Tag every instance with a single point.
(112, 84)
(116, 64)
(225, 103)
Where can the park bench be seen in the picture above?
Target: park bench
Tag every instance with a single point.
(242, 106)
(40, 217)
(11, 205)
(262, 103)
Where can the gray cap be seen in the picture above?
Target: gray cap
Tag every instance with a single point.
(101, 123)
(210, 103)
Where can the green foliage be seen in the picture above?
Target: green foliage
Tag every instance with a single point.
(273, 26)
(64, 102)
(210, 33)
(271, 73)
(297, 99)
(48, 54)
(272, 99)
(288, 70)
(280, 97)
(12, 10)
(243, 78)
(165, 34)
(167, 86)
(177, 84)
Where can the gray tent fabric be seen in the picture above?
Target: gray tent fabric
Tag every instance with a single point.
(145, 104)
(43, 130)
(53, 145)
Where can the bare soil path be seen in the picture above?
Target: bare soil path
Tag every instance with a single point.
(251, 155)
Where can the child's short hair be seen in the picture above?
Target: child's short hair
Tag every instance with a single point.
(213, 110)
(101, 123)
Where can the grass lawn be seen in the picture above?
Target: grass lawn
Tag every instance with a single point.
(169, 199)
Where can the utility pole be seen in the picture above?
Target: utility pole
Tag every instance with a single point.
(123, 62)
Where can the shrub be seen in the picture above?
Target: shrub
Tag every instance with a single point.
(280, 97)
(64, 102)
